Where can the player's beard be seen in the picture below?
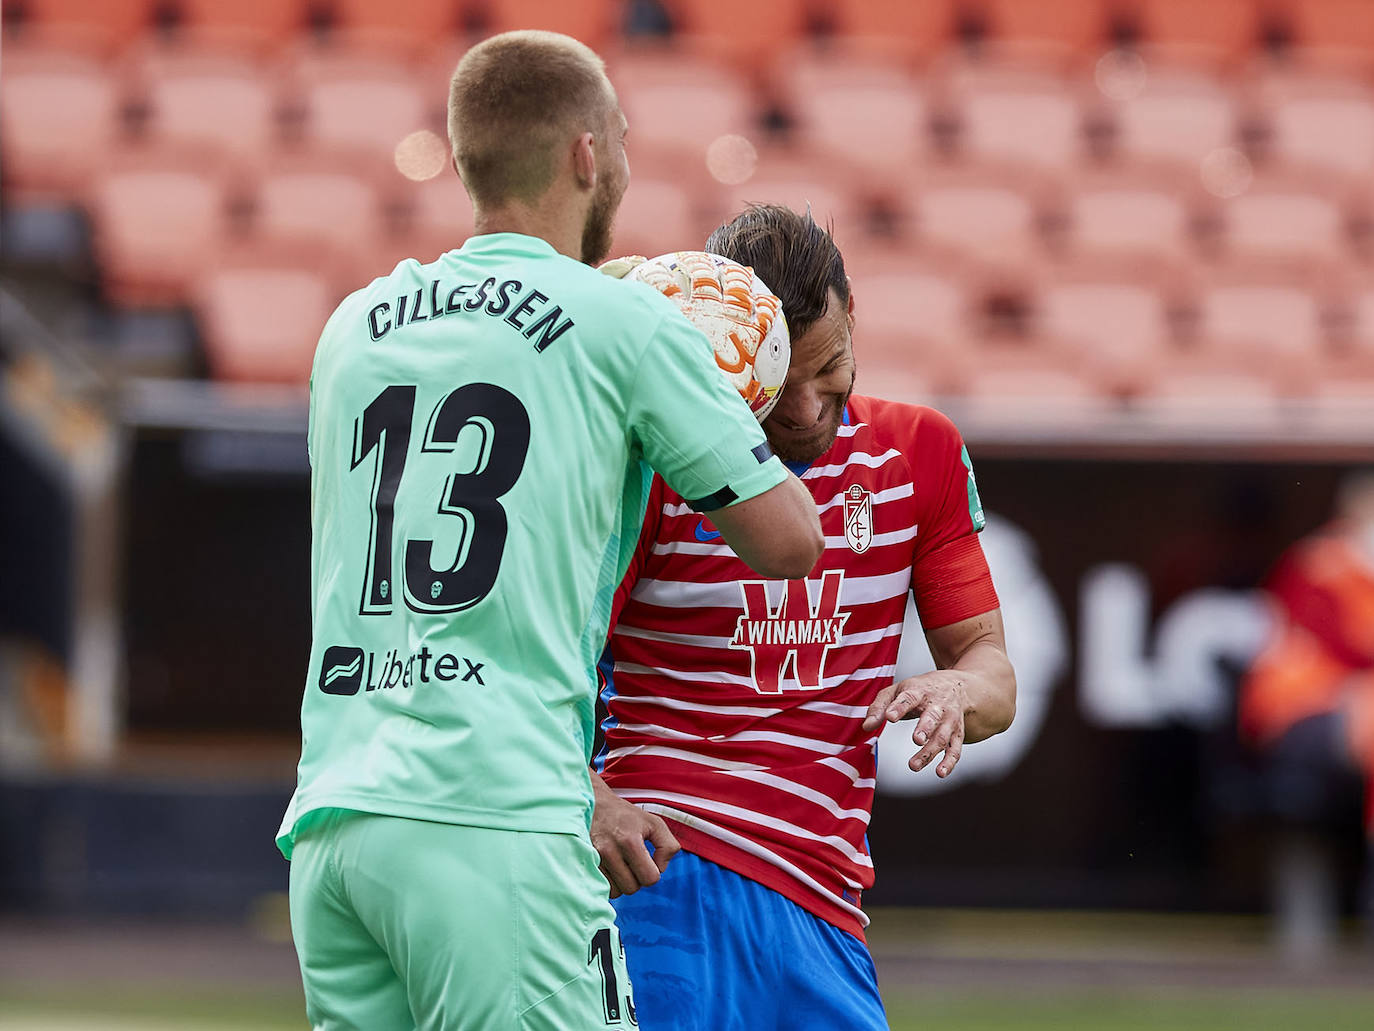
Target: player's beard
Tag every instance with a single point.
(791, 447)
(597, 230)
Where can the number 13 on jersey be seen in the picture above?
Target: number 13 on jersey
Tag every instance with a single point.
(486, 422)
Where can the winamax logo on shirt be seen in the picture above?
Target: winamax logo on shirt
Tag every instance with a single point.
(796, 633)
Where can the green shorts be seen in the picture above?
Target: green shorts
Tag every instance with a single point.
(401, 923)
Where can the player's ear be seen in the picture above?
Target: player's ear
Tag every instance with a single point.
(584, 161)
(850, 314)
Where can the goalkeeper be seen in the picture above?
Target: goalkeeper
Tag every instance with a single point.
(478, 428)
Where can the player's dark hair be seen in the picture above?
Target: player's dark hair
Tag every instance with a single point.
(796, 257)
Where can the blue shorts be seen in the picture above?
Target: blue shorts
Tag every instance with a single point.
(710, 950)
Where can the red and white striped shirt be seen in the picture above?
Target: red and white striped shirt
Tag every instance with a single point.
(736, 704)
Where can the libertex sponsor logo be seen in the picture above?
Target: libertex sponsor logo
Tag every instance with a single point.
(796, 634)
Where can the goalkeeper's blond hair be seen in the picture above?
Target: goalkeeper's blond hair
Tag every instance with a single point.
(512, 101)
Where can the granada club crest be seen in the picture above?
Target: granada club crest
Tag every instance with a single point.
(858, 519)
(797, 633)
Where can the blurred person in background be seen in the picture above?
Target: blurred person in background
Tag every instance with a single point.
(744, 716)
(479, 428)
(1307, 706)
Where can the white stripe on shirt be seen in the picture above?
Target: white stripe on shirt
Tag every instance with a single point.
(758, 852)
(802, 791)
(682, 594)
(749, 816)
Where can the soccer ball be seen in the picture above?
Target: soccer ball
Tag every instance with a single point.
(737, 312)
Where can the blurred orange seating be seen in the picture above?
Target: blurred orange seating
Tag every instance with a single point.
(899, 28)
(1211, 397)
(261, 323)
(1014, 115)
(154, 227)
(798, 184)
(255, 24)
(1123, 220)
(748, 35)
(61, 117)
(1105, 321)
(440, 214)
(657, 216)
(907, 308)
(1223, 30)
(1178, 116)
(680, 104)
(591, 21)
(1355, 341)
(902, 380)
(861, 112)
(1284, 225)
(362, 107)
(1332, 133)
(1054, 27)
(1267, 321)
(328, 208)
(983, 220)
(225, 105)
(997, 384)
(405, 28)
(108, 24)
(1338, 26)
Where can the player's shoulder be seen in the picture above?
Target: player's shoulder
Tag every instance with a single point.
(907, 427)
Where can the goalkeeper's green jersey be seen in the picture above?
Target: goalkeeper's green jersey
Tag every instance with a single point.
(481, 435)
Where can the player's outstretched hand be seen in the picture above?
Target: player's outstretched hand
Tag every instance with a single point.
(937, 701)
(619, 831)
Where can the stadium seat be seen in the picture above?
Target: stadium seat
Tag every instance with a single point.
(902, 379)
(1331, 133)
(332, 209)
(1125, 220)
(986, 221)
(797, 184)
(364, 109)
(591, 21)
(913, 306)
(440, 215)
(1354, 344)
(1260, 321)
(1338, 27)
(1283, 226)
(1052, 27)
(61, 117)
(226, 105)
(406, 28)
(1044, 387)
(1227, 400)
(863, 113)
(154, 227)
(1107, 321)
(681, 105)
(1015, 116)
(1178, 117)
(894, 28)
(657, 216)
(746, 34)
(1220, 30)
(108, 24)
(261, 324)
(257, 25)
